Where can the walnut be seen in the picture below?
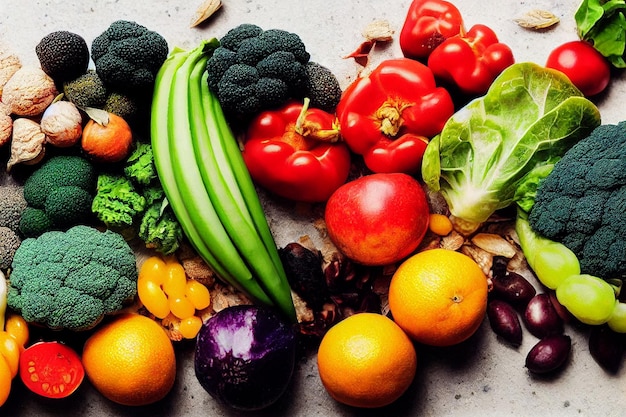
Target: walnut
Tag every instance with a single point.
(9, 64)
(29, 91)
(27, 144)
(6, 124)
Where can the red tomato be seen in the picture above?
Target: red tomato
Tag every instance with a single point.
(586, 68)
(51, 369)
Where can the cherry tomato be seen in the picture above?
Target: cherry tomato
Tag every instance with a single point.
(586, 68)
(51, 369)
(17, 327)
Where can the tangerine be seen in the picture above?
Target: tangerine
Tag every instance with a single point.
(438, 297)
(366, 361)
(130, 360)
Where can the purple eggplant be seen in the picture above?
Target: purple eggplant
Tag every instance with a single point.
(245, 356)
(549, 354)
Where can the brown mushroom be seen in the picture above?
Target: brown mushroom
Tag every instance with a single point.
(27, 143)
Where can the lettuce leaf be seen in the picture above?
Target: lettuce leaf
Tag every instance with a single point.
(530, 117)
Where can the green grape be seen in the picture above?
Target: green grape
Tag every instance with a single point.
(553, 263)
(590, 299)
(617, 322)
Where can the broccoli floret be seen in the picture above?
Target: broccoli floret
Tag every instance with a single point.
(34, 222)
(71, 280)
(58, 171)
(255, 69)
(58, 195)
(12, 204)
(128, 55)
(123, 105)
(63, 55)
(582, 202)
(9, 242)
(140, 166)
(63, 215)
(322, 87)
(87, 90)
(159, 229)
(117, 202)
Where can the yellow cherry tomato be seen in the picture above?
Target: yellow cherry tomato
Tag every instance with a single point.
(10, 352)
(153, 298)
(17, 327)
(153, 269)
(190, 326)
(175, 280)
(198, 294)
(5, 381)
(181, 307)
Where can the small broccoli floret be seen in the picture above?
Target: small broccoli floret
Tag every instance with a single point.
(12, 204)
(159, 229)
(71, 280)
(58, 195)
(322, 87)
(63, 55)
(63, 215)
(60, 170)
(582, 202)
(9, 242)
(124, 105)
(117, 203)
(128, 55)
(253, 70)
(34, 222)
(87, 90)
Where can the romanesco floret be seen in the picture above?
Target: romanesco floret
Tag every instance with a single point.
(582, 202)
(71, 280)
(128, 55)
(255, 69)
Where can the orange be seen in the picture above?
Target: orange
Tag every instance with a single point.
(366, 361)
(438, 297)
(130, 360)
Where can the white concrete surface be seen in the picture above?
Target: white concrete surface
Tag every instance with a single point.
(481, 377)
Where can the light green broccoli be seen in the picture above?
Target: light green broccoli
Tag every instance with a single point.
(71, 280)
(159, 229)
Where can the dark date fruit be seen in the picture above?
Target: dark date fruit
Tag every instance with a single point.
(549, 354)
(541, 318)
(512, 288)
(504, 321)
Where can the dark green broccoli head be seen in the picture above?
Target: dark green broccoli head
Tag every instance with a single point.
(253, 70)
(63, 55)
(34, 222)
(128, 55)
(582, 202)
(322, 87)
(58, 171)
(87, 90)
(70, 280)
(68, 206)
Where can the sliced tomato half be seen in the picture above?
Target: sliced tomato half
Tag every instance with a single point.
(51, 369)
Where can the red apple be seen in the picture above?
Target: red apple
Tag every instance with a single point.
(378, 219)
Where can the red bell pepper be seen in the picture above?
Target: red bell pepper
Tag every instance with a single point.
(295, 152)
(389, 116)
(471, 60)
(428, 23)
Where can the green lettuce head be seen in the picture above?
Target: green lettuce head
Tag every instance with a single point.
(529, 118)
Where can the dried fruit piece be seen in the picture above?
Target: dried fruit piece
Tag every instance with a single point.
(494, 244)
(204, 11)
